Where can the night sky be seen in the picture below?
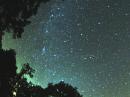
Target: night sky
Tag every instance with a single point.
(83, 42)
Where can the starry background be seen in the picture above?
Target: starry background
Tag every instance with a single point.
(83, 42)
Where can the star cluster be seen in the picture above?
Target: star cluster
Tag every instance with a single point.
(82, 42)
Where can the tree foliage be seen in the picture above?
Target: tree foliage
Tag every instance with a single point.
(21, 88)
(61, 89)
(14, 15)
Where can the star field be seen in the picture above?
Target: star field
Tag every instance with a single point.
(82, 42)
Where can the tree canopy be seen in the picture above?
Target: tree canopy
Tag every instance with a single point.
(14, 15)
(21, 88)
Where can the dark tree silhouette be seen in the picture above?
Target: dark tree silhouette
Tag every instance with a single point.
(19, 84)
(29, 90)
(14, 15)
(53, 90)
(61, 90)
(26, 69)
(21, 88)
(7, 70)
